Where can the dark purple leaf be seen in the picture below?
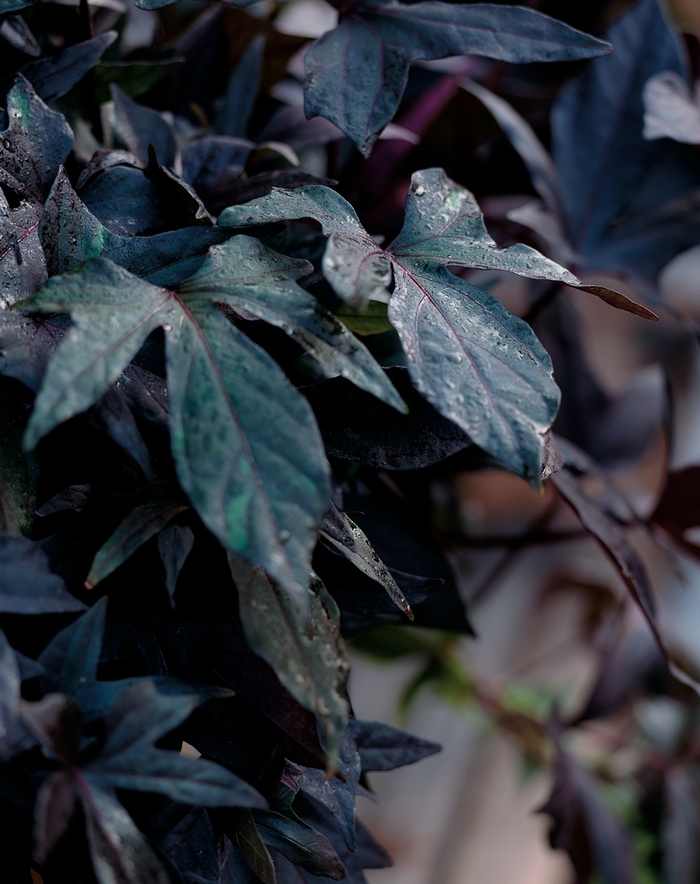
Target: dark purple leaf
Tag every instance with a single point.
(300, 844)
(357, 73)
(383, 747)
(601, 155)
(54, 76)
(138, 527)
(72, 235)
(140, 126)
(120, 853)
(138, 717)
(603, 518)
(243, 86)
(245, 835)
(174, 545)
(595, 839)
(26, 345)
(125, 201)
(336, 794)
(22, 264)
(27, 586)
(360, 428)
(15, 32)
(678, 510)
(234, 663)
(13, 735)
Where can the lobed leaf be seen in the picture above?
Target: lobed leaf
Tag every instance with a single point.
(216, 378)
(356, 74)
(71, 235)
(138, 717)
(255, 281)
(35, 143)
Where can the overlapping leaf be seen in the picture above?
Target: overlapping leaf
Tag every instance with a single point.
(245, 444)
(311, 664)
(32, 148)
(139, 716)
(342, 534)
(71, 234)
(356, 74)
(27, 586)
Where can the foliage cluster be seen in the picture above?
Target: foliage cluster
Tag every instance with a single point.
(227, 390)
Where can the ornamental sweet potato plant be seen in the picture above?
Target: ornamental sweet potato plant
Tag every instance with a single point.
(245, 326)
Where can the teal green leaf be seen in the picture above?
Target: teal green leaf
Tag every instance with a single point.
(142, 523)
(310, 663)
(14, 5)
(113, 314)
(444, 224)
(71, 234)
(477, 364)
(353, 263)
(480, 366)
(246, 446)
(35, 143)
(254, 280)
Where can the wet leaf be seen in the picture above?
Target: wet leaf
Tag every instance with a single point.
(217, 380)
(72, 235)
(356, 74)
(310, 662)
(336, 794)
(255, 281)
(344, 535)
(35, 143)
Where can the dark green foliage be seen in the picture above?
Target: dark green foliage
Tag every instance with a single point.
(227, 393)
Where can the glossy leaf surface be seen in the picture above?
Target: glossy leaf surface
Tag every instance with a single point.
(217, 378)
